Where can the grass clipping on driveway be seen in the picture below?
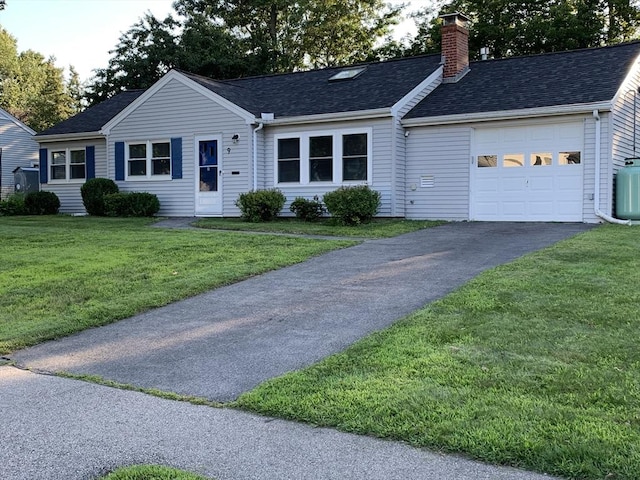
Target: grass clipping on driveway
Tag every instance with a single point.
(60, 275)
(533, 364)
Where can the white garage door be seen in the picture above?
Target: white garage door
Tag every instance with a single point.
(531, 173)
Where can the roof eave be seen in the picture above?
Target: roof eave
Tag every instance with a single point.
(576, 108)
(61, 137)
(329, 117)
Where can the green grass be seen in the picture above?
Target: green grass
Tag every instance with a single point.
(60, 274)
(378, 228)
(151, 472)
(534, 364)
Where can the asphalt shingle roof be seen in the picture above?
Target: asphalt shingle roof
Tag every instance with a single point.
(94, 118)
(562, 78)
(381, 85)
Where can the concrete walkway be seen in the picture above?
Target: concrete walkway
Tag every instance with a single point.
(225, 342)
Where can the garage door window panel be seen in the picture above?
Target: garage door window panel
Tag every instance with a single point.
(487, 161)
(539, 159)
(569, 158)
(513, 160)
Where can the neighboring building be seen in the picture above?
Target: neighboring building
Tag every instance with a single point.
(17, 149)
(517, 139)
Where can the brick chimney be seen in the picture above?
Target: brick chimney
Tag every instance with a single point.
(455, 46)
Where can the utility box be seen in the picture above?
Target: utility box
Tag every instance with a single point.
(26, 180)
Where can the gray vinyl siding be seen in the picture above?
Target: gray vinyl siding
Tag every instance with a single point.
(18, 150)
(179, 111)
(444, 154)
(69, 192)
(381, 159)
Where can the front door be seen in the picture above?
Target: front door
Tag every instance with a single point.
(208, 178)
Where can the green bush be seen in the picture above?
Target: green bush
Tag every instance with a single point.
(13, 205)
(93, 192)
(131, 204)
(41, 203)
(352, 205)
(307, 210)
(261, 205)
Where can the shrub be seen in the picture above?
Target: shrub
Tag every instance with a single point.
(93, 193)
(353, 205)
(13, 205)
(131, 204)
(42, 203)
(307, 210)
(261, 205)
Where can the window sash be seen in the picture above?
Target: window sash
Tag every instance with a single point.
(289, 160)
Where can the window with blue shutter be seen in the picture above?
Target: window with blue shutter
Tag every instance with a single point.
(176, 158)
(91, 161)
(119, 160)
(44, 165)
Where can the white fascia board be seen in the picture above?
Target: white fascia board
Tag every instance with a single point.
(69, 137)
(507, 114)
(400, 104)
(11, 118)
(173, 75)
(628, 84)
(330, 117)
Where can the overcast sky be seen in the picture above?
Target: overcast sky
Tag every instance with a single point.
(81, 32)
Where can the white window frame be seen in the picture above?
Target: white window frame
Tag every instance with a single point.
(337, 135)
(67, 165)
(149, 162)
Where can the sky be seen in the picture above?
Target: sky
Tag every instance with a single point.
(81, 32)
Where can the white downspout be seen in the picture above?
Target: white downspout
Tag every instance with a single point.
(596, 193)
(255, 155)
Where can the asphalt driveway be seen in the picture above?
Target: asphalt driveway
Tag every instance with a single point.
(225, 342)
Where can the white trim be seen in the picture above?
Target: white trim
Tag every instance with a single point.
(69, 137)
(331, 117)
(507, 114)
(11, 118)
(400, 104)
(337, 134)
(175, 75)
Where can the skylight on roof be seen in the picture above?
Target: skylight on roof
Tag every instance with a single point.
(347, 74)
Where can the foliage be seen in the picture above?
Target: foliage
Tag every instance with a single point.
(307, 210)
(41, 203)
(261, 205)
(90, 271)
(533, 364)
(32, 88)
(511, 28)
(151, 472)
(93, 192)
(131, 204)
(13, 205)
(352, 205)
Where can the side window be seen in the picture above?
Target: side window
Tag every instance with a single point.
(354, 157)
(77, 168)
(137, 165)
(321, 159)
(59, 165)
(288, 160)
(161, 158)
(67, 165)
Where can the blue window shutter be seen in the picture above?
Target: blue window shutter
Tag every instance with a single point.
(90, 158)
(44, 165)
(119, 160)
(176, 158)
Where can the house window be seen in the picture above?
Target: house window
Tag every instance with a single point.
(149, 160)
(354, 157)
(321, 159)
(68, 165)
(288, 160)
(334, 156)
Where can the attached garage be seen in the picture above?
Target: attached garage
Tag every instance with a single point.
(527, 173)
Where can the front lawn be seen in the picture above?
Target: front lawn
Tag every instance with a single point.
(377, 228)
(60, 274)
(533, 364)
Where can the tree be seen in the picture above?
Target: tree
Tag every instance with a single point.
(511, 27)
(32, 88)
